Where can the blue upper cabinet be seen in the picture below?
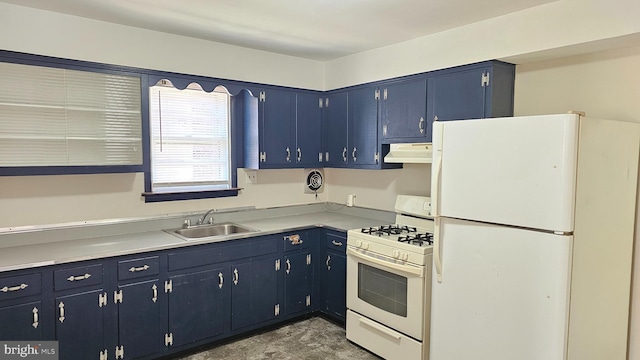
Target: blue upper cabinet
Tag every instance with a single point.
(335, 131)
(363, 126)
(290, 130)
(471, 92)
(277, 125)
(308, 130)
(404, 111)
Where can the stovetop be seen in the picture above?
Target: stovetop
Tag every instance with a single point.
(401, 233)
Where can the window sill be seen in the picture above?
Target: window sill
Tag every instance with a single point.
(189, 195)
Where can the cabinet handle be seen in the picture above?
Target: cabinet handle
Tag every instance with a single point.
(344, 154)
(61, 310)
(299, 154)
(80, 277)
(421, 125)
(328, 262)
(288, 266)
(288, 154)
(141, 268)
(336, 243)
(35, 317)
(155, 293)
(14, 288)
(221, 281)
(235, 276)
(353, 154)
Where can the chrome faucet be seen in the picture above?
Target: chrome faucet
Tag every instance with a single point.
(204, 217)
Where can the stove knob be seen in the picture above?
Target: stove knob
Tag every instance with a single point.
(365, 245)
(396, 254)
(358, 243)
(405, 256)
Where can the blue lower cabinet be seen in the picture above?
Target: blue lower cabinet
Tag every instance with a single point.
(298, 276)
(139, 329)
(333, 274)
(254, 292)
(80, 324)
(196, 306)
(24, 319)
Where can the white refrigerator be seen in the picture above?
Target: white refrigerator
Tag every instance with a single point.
(533, 239)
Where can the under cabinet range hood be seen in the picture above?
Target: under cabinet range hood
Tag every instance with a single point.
(415, 153)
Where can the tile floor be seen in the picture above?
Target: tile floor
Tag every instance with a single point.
(310, 339)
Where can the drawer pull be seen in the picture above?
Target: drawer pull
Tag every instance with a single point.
(141, 268)
(35, 317)
(295, 239)
(81, 277)
(14, 288)
(336, 243)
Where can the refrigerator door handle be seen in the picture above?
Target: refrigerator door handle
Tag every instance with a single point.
(437, 258)
(435, 186)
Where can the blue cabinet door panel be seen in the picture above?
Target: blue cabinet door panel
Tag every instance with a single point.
(196, 308)
(308, 130)
(335, 284)
(278, 126)
(363, 127)
(21, 322)
(458, 95)
(80, 325)
(139, 329)
(254, 292)
(404, 110)
(335, 133)
(297, 282)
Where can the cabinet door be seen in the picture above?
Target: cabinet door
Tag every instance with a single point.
(363, 127)
(298, 274)
(196, 308)
(335, 284)
(24, 320)
(404, 110)
(254, 292)
(277, 115)
(457, 95)
(139, 329)
(308, 130)
(336, 129)
(80, 325)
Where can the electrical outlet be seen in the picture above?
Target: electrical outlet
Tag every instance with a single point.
(351, 199)
(251, 176)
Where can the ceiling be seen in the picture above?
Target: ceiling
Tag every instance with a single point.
(320, 30)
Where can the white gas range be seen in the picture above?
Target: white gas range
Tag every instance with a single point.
(389, 282)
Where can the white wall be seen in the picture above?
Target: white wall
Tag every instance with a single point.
(40, 32)
(560, 27)
(604, 85)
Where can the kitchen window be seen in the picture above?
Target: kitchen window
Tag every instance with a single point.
(190, 142)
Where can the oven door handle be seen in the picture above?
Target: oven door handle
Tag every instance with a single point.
(419, 271)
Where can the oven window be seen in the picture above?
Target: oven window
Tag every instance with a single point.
(382, 289)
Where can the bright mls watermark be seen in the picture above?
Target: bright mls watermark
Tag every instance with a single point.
(42, 350)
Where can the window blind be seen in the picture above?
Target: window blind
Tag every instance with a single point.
(60, 117)
(190, 146)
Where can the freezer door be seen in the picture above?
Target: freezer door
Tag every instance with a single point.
(503, 294)
(517, 171)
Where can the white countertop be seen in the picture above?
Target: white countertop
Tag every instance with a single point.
(62, 247)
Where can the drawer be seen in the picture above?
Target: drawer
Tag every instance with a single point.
(336, 241)
(77, 277)
(296, 240)
(13, 287)
(218, 253)
(137, 268)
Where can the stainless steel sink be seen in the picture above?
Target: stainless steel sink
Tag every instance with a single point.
(205, 231)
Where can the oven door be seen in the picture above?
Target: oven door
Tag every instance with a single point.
(391, 293)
